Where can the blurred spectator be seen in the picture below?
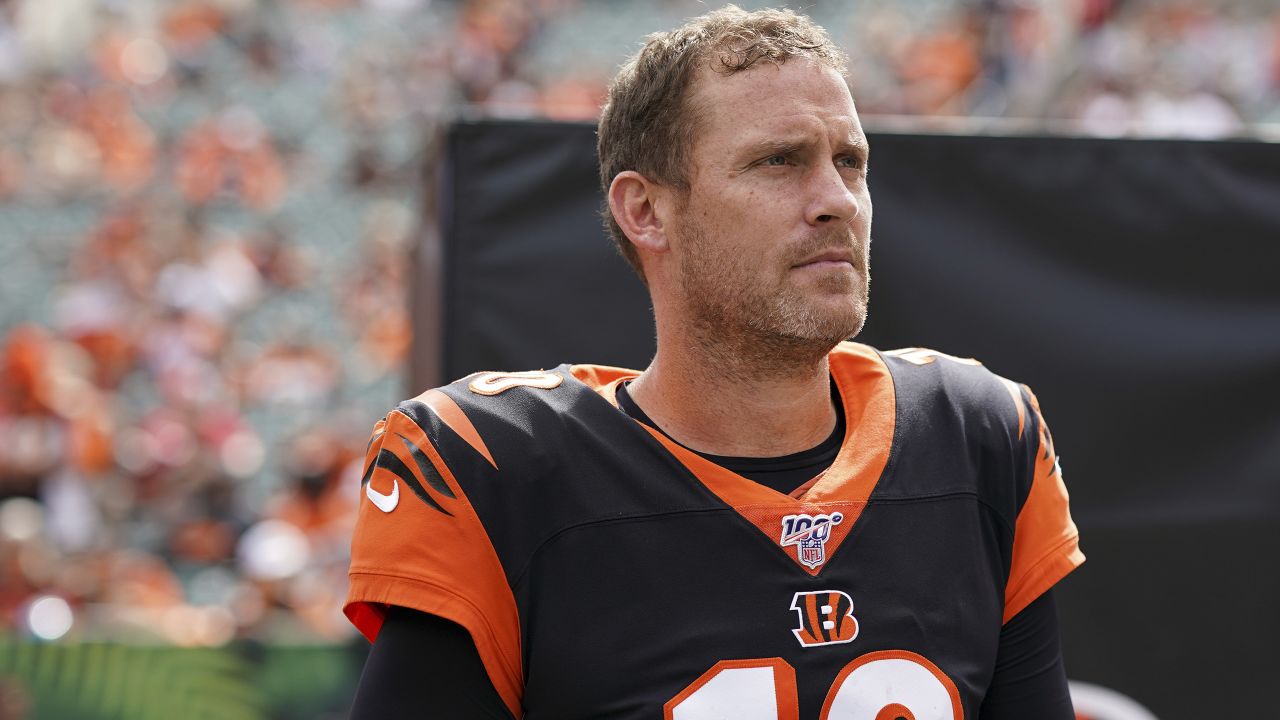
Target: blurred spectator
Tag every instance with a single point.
(232, 155)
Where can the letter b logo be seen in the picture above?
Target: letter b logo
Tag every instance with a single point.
(826, 618)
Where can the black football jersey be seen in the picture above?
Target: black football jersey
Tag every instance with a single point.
(605, 571)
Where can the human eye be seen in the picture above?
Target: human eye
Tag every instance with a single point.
(775, 160)
(852, 162)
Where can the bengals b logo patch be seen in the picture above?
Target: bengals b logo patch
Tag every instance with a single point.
(826, 618)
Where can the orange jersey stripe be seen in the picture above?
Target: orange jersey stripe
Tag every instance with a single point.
(448, 411)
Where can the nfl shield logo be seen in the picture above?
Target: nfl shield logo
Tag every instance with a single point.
(809, 533)
(811, 556)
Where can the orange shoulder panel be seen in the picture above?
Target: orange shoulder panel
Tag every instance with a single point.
(434, 556)
(1046, 544)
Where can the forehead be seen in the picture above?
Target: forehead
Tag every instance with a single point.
(800, 96)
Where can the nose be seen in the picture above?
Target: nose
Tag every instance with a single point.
(831, 200)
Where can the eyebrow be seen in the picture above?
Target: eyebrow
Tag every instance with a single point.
(782, 146)
(771, 146)
(856, 143)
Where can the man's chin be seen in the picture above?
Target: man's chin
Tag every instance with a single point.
(841, 317)
(826, 330)
(847, 331)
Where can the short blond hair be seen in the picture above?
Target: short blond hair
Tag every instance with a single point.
(647, 124)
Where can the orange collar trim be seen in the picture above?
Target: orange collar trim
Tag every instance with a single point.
(867, 392)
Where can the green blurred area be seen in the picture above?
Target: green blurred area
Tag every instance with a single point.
(244, 681)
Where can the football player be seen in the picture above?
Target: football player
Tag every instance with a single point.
(769, 521)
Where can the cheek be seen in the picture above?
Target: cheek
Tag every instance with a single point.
(747, 229)
(770, 218)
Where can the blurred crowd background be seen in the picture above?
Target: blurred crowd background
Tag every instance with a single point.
(206, 208)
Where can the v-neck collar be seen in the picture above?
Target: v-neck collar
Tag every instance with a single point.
(867, 392)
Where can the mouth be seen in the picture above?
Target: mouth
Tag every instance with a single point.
(827, 258)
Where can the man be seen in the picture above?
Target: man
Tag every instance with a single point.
(767, 522)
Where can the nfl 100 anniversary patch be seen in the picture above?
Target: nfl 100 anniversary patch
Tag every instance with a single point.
(809, 533)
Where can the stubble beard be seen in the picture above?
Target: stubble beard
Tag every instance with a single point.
(756, 331)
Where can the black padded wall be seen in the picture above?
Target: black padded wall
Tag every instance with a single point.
(1132, 284)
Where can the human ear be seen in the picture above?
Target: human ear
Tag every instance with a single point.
(633, 200)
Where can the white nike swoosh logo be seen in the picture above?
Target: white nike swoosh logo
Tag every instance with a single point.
(385, 503)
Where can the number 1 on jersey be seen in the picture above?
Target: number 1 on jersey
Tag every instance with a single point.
(883, 685)
(739, 689)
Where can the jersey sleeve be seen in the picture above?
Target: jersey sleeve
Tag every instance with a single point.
(418, 543)
(1046, 544)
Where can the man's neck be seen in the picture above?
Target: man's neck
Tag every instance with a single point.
(726, 405)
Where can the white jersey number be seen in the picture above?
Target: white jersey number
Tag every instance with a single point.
(884, 685)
